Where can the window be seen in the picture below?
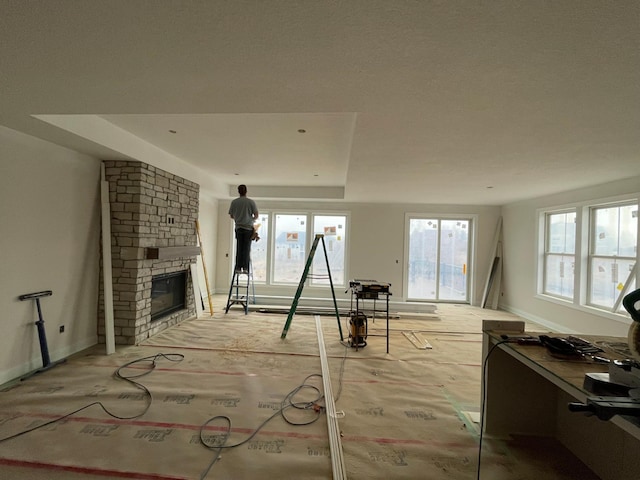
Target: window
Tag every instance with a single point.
(281, 253)
(259, 249)
(559, 254)
(333, 227)
(588, 253)
(290, 253)
(612, 252)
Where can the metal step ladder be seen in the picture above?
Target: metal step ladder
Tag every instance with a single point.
(305, 274)
(242, 290)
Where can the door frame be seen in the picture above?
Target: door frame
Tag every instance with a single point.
(471, 249)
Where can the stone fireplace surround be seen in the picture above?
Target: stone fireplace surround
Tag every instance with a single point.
(153, 232)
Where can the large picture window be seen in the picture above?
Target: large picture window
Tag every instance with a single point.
(289, 247)
(279, 257)
(281, 253)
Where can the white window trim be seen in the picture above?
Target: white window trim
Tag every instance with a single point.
(347, 230)
(309, 238)
(541, 261)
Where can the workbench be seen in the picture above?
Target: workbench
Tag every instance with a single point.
(370, 291)
(526, 391)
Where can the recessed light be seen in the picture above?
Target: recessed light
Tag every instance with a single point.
(302, 130)
(172, 131)
(489, 187)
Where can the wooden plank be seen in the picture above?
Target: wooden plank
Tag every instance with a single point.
(417, 340)
(495, 262)
(197, 294)
(107, 275)
(204, 268)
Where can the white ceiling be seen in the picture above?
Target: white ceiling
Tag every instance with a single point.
(443, 101)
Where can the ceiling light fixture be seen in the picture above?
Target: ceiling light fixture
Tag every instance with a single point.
(302, 130)
(172, 131)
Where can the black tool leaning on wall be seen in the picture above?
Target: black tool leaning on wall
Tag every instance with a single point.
(44, 349)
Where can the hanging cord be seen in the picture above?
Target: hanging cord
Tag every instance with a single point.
(150, 360)
(288, 402)
(484, 389)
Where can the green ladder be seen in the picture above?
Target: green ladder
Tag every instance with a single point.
(294, 305)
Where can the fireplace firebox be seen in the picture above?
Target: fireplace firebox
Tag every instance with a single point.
(168, 294)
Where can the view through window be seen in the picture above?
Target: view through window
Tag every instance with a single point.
(438, 259)
(612, 255)
(560, 244)
(333, 227)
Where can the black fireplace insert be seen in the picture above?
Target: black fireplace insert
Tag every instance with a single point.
(168, 294)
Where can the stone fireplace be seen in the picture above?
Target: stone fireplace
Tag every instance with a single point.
(153, 236)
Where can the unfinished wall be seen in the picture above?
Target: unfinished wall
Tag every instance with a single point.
(50, 231)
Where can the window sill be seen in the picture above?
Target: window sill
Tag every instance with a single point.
(619, 317)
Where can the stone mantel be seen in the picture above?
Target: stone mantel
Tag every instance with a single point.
(158, 253)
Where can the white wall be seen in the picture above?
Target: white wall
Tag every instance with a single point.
(520, 262)
(49, 240)
(376, 241)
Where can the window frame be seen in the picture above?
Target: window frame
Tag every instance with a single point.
(471, 250)
(309, 238)
(617, 307)
(582, 251)
(547, 253)
(313, 216)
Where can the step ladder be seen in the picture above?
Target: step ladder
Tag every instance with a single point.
(242, 290)
(319, 237)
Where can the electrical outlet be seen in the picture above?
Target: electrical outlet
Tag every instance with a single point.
(61, 328)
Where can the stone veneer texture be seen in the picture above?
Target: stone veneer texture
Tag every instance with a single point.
(149, 208)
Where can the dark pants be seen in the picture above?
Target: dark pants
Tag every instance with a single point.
(243, 248)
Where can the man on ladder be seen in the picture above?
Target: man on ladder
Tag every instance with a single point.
(244, 212)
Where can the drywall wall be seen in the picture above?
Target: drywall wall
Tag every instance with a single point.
(520, 264)
(50, 234)
(376, 243)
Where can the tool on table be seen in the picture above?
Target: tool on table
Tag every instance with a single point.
(623, 376)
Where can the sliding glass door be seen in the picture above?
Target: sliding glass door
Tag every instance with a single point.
(438, 259)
